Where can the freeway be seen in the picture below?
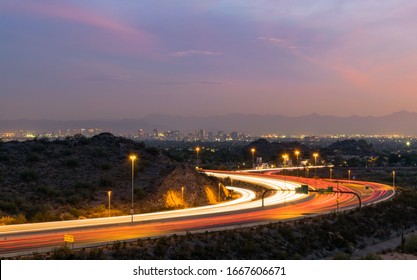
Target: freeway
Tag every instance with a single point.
(283, 204)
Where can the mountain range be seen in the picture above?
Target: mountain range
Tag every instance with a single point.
(402, 123)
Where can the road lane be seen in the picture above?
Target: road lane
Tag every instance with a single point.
(283, 204)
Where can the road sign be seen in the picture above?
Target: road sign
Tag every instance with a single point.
(69, 238)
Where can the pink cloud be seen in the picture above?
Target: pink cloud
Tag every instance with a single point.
(139, 40)
(195, 52)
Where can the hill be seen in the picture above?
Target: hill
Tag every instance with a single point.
(44, 180)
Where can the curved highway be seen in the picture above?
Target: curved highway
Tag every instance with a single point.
(283, 203)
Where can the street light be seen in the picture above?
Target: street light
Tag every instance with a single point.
(197, 150)
(297, 153)
(253, 157)
(315, 155)
(349, 174)
(109, 195)
(132, 158)
(218, 195)
(331, 173)
(285, 158)
(393, 180)
(182, 192)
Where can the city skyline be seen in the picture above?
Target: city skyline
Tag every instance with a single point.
(115, 60)
(397, 123)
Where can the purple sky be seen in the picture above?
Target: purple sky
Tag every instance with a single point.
(125, 59)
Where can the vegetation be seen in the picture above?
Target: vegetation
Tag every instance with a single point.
(44, 180)
(69, 179)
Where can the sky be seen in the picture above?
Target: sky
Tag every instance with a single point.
(115, 59)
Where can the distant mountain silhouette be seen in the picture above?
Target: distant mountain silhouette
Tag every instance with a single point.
(402, 122)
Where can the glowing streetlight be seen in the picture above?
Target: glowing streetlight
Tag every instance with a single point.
(253, 156)
(218, 195)
(315, 155)
(182, 192)
(132, 158)
(109, 195)
(285, 159)
(197, 150)
(393, 180)
(331, 170)
(297, 153)
(349, 174)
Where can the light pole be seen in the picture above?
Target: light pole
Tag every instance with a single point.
(331, 173)
(285, 158)
(132, 158)
(349, 174)
(253, 157)
(218, 195)
(109, 195)
(315, 155)
(393, 180)
(297, 153)
(197, 150)
(182, 193)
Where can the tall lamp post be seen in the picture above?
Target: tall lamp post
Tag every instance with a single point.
(197, 150)
(132, 158)
(315, 155)
(331, 173)
(182, 192)
(349, 174)
(393, 180)
(297, 153)
(109, 195)
(285, 159)
(253, 157)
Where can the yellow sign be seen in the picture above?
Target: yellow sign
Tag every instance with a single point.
(69, 238)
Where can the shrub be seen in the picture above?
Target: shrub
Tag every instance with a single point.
(33, 157)
(29, 175)
(71, 162)
(410, 245)
(106, 166)
(341, 256)
(4, 157)
(106, 182)
(39, 147)
(63, 253)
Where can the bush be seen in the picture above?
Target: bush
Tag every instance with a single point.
(63, 253)
(410, 245)
(106, 166)
(33, 157)
(29, 175)
(4, 157)
(71, 162)
(372, 256)
(341, 256)
(106, 182)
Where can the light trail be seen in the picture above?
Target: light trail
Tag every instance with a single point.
(283, 204)
(246, 196)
